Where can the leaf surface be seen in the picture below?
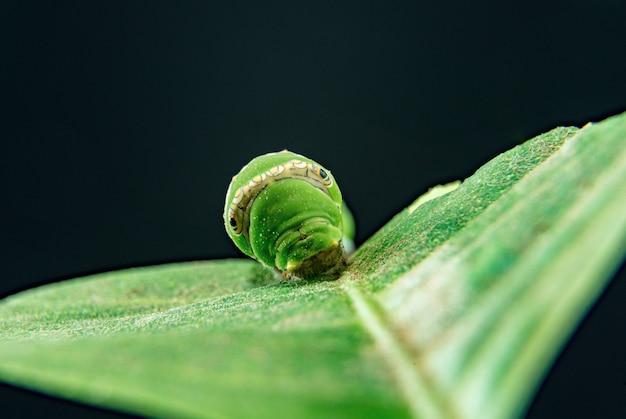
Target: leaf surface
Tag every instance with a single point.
(454, 309)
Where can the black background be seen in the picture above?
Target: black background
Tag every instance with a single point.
(122, 123)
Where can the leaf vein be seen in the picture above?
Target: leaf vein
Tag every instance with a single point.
(416, 390)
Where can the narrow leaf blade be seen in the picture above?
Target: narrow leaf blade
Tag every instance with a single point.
(454, 309)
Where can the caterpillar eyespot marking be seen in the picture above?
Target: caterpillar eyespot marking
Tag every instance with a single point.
(286, 211)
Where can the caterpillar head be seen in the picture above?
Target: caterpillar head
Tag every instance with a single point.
(285, 210)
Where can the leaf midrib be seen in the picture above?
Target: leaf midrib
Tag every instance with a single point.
(419, 394)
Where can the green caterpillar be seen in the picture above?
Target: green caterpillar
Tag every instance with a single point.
(286, 211)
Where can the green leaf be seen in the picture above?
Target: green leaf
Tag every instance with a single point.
(454, 309)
